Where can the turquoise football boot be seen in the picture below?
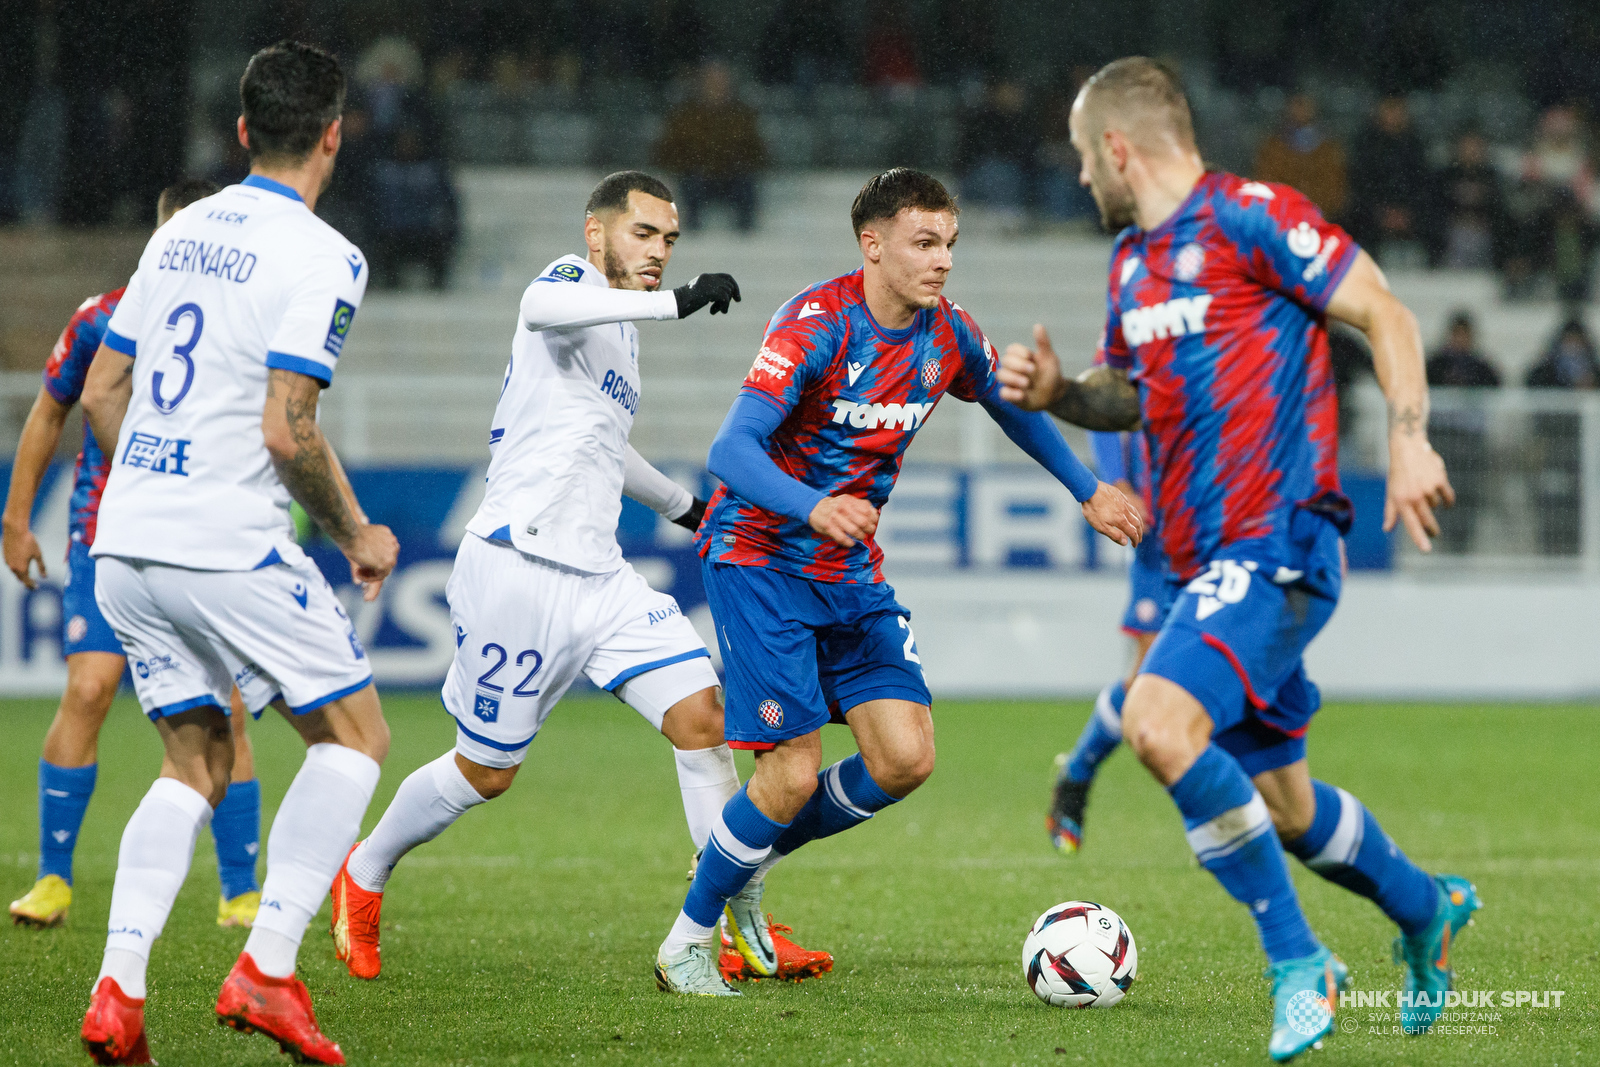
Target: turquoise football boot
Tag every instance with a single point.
(1305, 993)
(1427, 955)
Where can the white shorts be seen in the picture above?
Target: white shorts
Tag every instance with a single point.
(525, 628)
(191, 636)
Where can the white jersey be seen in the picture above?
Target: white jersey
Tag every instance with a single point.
(243, 281)
(559, 440)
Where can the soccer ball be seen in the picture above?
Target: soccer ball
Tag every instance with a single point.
(1080, 955)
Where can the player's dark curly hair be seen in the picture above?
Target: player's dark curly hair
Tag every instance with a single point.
(887, 194)
(612, 192)
(179, 195)
(290, 93)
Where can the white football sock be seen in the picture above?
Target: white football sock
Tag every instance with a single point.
(708, 779)
(152, 863)
(686, 932)
(431, 798)
(315, 826)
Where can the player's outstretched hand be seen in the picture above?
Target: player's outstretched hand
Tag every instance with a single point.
(718, 290)
(844, 519)
(1417, 485)
(690, 520)
(372, 555)
(1030, 378)
(21, 551)
(1114, 515)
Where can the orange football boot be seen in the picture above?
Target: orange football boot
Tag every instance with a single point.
(113, 1027)
(795, 964)
(355, 923)
(280, 1008)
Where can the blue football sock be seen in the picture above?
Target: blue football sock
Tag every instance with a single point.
(1101, 734)
(236, 828)
(64, 794)
(740, 840)
(1347, 847)
(846, 795)
(1231, 832)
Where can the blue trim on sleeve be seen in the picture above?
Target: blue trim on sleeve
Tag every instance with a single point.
(256, 181)
(644, 668)
(183, 705)
(337, 694)
(500, 745)
(118, 343)
(300, 365)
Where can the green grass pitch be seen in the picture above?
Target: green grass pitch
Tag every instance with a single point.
(525, 934)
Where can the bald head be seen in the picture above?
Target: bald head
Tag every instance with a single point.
(1140, 99)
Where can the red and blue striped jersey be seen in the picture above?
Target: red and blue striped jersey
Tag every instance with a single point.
(1218, 315)
(852, 395)
(64, 375)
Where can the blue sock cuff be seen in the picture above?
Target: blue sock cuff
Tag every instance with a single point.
(1323, 823)
(68, 779)
(1116, 693)
(858, 785)
(1214, 784)
(747, 823)
(238, 793)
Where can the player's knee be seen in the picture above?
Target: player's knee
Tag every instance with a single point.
(490, 782)
(89, 694)
(902, 770)
(695, 722)
(1290, 824)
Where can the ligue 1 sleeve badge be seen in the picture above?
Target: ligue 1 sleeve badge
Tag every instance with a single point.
(771, 713)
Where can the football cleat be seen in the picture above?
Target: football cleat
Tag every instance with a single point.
(1427, 955)
(1065, 821)
(45, 904)
(1305, 994)
(280, 1008)
(692, 972)
(113, 1027)
(355, 923)
(795, 964)
(749, 930)
(240, 911)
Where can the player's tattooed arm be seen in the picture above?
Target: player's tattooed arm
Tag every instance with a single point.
(300, 453)
(1101, 398)
(312, 474)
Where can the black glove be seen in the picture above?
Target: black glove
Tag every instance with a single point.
(718, 290)
(690, 520)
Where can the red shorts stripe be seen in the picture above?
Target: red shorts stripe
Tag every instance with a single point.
(753, 746)
(1238, 668)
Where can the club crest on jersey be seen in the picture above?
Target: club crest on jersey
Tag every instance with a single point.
(772, 365)
(1171, 318)
(905, 417)
(570, 272)
(1303, 241)
(1189, 262)
(932, 371)
(771, 713)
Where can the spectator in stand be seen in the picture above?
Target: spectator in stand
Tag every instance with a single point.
(889, 57)
(1459, 432)
(417, 213)
(1389, 187)
(1567, 241)
(996, 152)
(1473, 232)
(1559, 157)
(1569, 363)
(1300, 154)
(1062, 197)
(712, 142)
(800, 45)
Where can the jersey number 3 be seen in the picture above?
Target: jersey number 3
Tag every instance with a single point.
(181, 352)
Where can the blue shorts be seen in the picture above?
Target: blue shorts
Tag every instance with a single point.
(1235, 637)
(83, 628)
(800, 653)
(1150, 594)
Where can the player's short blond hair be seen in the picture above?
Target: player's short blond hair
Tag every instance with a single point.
(1140, 98)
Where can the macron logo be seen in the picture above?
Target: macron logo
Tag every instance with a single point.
(812, 308)
(1170, 318)
(854, 371)
(905, 417)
